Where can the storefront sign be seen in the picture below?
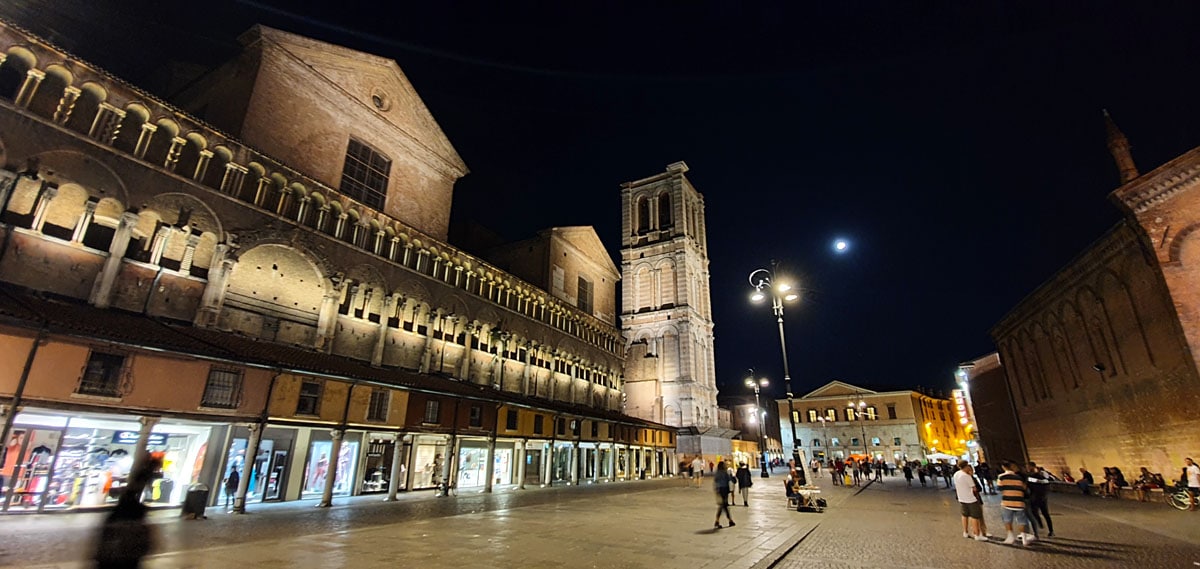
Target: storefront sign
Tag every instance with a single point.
(131, 438)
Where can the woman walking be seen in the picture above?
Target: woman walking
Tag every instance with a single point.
(744, 482)
(721, 480)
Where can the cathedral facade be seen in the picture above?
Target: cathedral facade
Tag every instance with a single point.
(256, 278)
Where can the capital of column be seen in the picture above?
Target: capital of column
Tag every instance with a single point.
(337, 433)
(253, 427)
(36, 74)
(147, 421)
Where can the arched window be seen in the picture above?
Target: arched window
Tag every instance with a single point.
(643, 214)
(664, 210)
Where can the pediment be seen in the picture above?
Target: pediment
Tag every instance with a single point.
(584, 238)
(363, 76)
(837, 388)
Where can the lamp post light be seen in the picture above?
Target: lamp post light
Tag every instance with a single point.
(765, 284)
(756, 383)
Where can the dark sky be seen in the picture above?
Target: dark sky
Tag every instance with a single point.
(959, 146)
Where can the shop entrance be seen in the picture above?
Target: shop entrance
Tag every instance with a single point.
(381, 448)
(533, 466)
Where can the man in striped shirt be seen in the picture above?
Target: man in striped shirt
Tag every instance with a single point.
(1013, 497)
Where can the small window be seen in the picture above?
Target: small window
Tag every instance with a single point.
(849, 413)
(102, 376)
(831, 414)
(560, 426)
(476, 416)
(510, 420)
(896, 442)
(875, 441)
(795, 416)
(812, 415)
(816, 442)
(854, 441)
(891, 410)
(310, 398)
(377, 409)
(223, 390)
(834, 442)
(664, 210)
(539, 424)
(433, 412)
(871, 413)
(585, 295)
(365, 174)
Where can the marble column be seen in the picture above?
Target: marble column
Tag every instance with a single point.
(102, 290)
(239, 500)
(331, 472)
(144, 138)
(399, 449)
(596, 463)
(574, 462)
(173, 153)
(489, 471)
(43, 203)
(520, 454)
(85, 219)
(214, 290)
(464, 372)
(66, 104)
(381, 339)
(33, 78)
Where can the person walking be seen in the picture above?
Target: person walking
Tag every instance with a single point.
(1193, 480)
(856, 470)
(1012, 504)
(968, 500)
(984, 472)
(744, 482)
(1039, 490)
(947, 472)
(921, 474)
(908, 474)
(879, 472)
(231, 486)
(721, 481)
(833, 471)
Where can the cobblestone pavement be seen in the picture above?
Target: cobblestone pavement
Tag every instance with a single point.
(638, 524)
(897, 527)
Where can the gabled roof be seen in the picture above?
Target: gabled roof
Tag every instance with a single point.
(343, 66)
(838, 388)
(584, 238)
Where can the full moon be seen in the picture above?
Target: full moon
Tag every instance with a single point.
(841, 246)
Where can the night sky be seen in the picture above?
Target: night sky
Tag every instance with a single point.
(958, 147)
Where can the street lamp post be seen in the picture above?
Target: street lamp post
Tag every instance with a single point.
(764, 283)
(862, 405)
(756, 383)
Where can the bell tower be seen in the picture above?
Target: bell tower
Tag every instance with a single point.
(666, 315)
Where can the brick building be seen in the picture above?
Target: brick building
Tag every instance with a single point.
(991, 405)
(1100, 360)
(259, 280)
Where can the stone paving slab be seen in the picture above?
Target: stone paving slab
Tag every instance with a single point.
(665, 527)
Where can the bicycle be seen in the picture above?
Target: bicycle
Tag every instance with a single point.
(1178, 497)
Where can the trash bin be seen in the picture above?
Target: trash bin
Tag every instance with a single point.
(195, 502)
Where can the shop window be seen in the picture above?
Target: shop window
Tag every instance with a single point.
(539, 424)
(223, 390)
(896, 441)
(476, 417)
(377, 409)
(875, 441)
(102, 375)
(891, 410)
(365, 174)
(510, 422)
(310, 398)
(433, 410)
(812, 415)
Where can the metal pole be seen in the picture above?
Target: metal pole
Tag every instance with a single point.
(762, 439)
(787, 377)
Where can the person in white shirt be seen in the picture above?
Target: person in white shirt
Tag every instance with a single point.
(697, 470)
(968, 500)
(1193, 480)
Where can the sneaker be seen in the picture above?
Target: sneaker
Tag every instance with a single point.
(717, 525)
(1011, 539)
(966, 535)
(980, 538)
(1029, 538)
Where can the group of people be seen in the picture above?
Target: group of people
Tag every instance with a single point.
(929, 473)
(856, 472)
(1114, 480)
(1024, 506)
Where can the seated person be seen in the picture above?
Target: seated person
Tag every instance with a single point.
(1146, 482)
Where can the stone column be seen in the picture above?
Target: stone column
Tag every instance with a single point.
(331, 472)
(448, 467)
(400, 446)
(81, 226)
(575, 462)
(33, 78)
(327, 318)
(528, 368)
(520, 454)
(489, 470)
(377, 354)
(239, 500)
(144, 138)
(214, 290)
(102, 291)
(173, 153)
(464, 371)
(202, 165)
(66, 104)
(189, 253)
(106, 124)
(548, 461)
(596, 463)
(43, 203)
(412, 462)
(427, 350)
(612, 462)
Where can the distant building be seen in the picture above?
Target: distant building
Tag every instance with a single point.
(1101, 358)
(841, 420)
(991, 410)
